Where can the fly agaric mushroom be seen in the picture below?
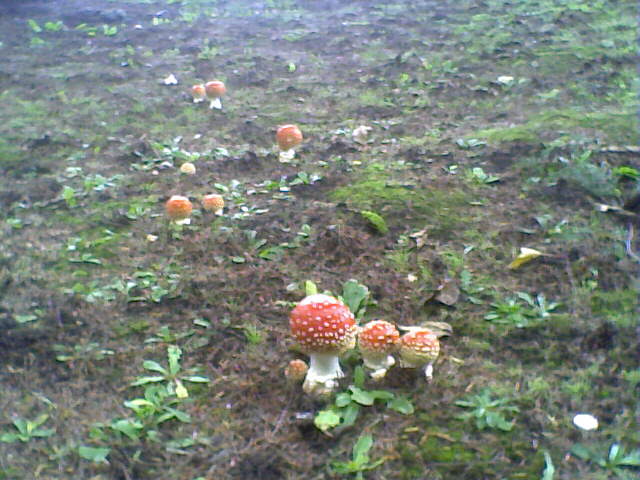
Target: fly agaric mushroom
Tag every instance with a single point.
(213, 203)
(214, 91)
(324, 327)
(296, 371)
(288, 137)
(419, 347)
(377, 341)
(188, 168)
(199, 93)
(179, 209)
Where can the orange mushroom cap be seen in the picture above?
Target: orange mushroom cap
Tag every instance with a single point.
(212, 202)
(215, 89)
(378, 336)
(419, 347)
(296, 370)
(198, 91)
(178, 207)
(288, 136)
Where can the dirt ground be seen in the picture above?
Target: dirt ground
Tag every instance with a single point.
(440, 138)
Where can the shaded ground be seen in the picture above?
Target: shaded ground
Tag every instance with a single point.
(494, 126)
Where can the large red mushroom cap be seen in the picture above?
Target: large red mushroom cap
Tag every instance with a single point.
(323, 324)
(324, 327)
(288, 137)
(377, 341)
(419, 347)
(215, 89)
(178, 208)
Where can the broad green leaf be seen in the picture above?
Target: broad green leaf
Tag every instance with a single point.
(195, 379)
(401, 405)
(174, 353)
(145, 380)
(361, 449)
(350, 414)
(361, 396)
(129, 428)
(9, 437)
(381, 394)
(358, 377)
(326, 419)
(43, 432)
(343, 399)
(154, 367)
(354, 295)
(581, 451)
(94, 454)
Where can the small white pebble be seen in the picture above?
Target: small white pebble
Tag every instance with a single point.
(585, 421)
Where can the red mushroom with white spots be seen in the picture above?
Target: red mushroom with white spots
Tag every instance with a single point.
(179, 209)
(324, 327)
(419, 347)
(377, 340)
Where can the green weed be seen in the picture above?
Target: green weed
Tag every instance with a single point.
(618, 461)
(171, 376)
(360, 460)
(488, 412)
(27, 430)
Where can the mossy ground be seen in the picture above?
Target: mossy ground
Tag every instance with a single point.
(539, 94)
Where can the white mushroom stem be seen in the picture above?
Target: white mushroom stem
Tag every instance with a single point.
(428, 371)
(379, 363)
(324, 370)
(216, 103)
(286, 156)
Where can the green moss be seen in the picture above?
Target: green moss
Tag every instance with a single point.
(615, 125)
(442, 209)
(435, 449)
(376, 221)
(617, 306)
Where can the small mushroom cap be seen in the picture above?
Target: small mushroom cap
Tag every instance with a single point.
(296, 370)
(419, 347)
(198, 91)
(288, 136)
(188, 168)
(215, 89)
(323, 324)
(212, 202)
(178, 207)
(378, 336)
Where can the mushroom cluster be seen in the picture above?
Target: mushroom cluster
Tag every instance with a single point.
(213, 90)
(324, 328)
